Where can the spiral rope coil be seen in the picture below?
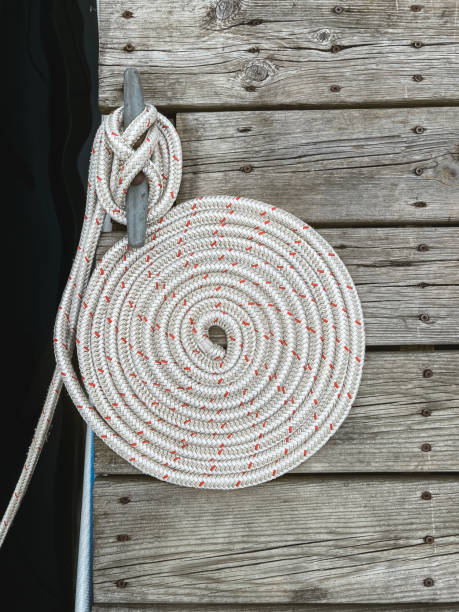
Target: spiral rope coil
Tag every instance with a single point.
(164, 396)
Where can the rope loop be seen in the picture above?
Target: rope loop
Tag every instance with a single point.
(149, 144)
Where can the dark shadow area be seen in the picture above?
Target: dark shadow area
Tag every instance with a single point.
(49, 114)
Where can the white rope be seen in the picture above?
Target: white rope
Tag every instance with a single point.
(165, 397)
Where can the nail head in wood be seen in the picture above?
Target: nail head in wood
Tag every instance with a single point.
(123, 537)
(426, 447)
(417, 44)
(418, 171)
(424, 317)
(426, 495)
(422, 248)
(124, 500)
(428, 373)
(335, 88)
(418, 78)
(338, 10)
(429, 539)
(121, 584)
(426, 412)
(429, 582)
(127, 14)
(129, 47)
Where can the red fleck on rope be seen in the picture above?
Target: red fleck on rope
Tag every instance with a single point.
(151, 382)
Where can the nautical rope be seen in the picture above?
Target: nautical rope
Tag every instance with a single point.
(165, 397)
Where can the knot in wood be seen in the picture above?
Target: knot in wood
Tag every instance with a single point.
(258, 70)
(323, 36)
(226, 9)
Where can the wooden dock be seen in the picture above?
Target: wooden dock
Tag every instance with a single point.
(345, 113)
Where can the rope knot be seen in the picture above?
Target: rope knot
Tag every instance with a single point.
(148, 148)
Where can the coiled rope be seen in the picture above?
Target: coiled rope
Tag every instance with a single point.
(165, 397)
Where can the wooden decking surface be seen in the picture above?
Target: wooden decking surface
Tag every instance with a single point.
(345, 113)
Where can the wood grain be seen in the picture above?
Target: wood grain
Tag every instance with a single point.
(251, 53)
(334, 167)
(431, 607)
(385, 429)
(345, 531)
(397, 282)
(300, 539)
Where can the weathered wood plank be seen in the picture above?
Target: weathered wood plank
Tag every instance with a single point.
(301, 539)
(386, 428)
(430, 607)
(341, 167)
(255, 53)
(398, 280)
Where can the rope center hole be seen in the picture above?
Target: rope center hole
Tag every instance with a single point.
(217, 335)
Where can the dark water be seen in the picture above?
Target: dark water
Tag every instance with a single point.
(49, 113)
